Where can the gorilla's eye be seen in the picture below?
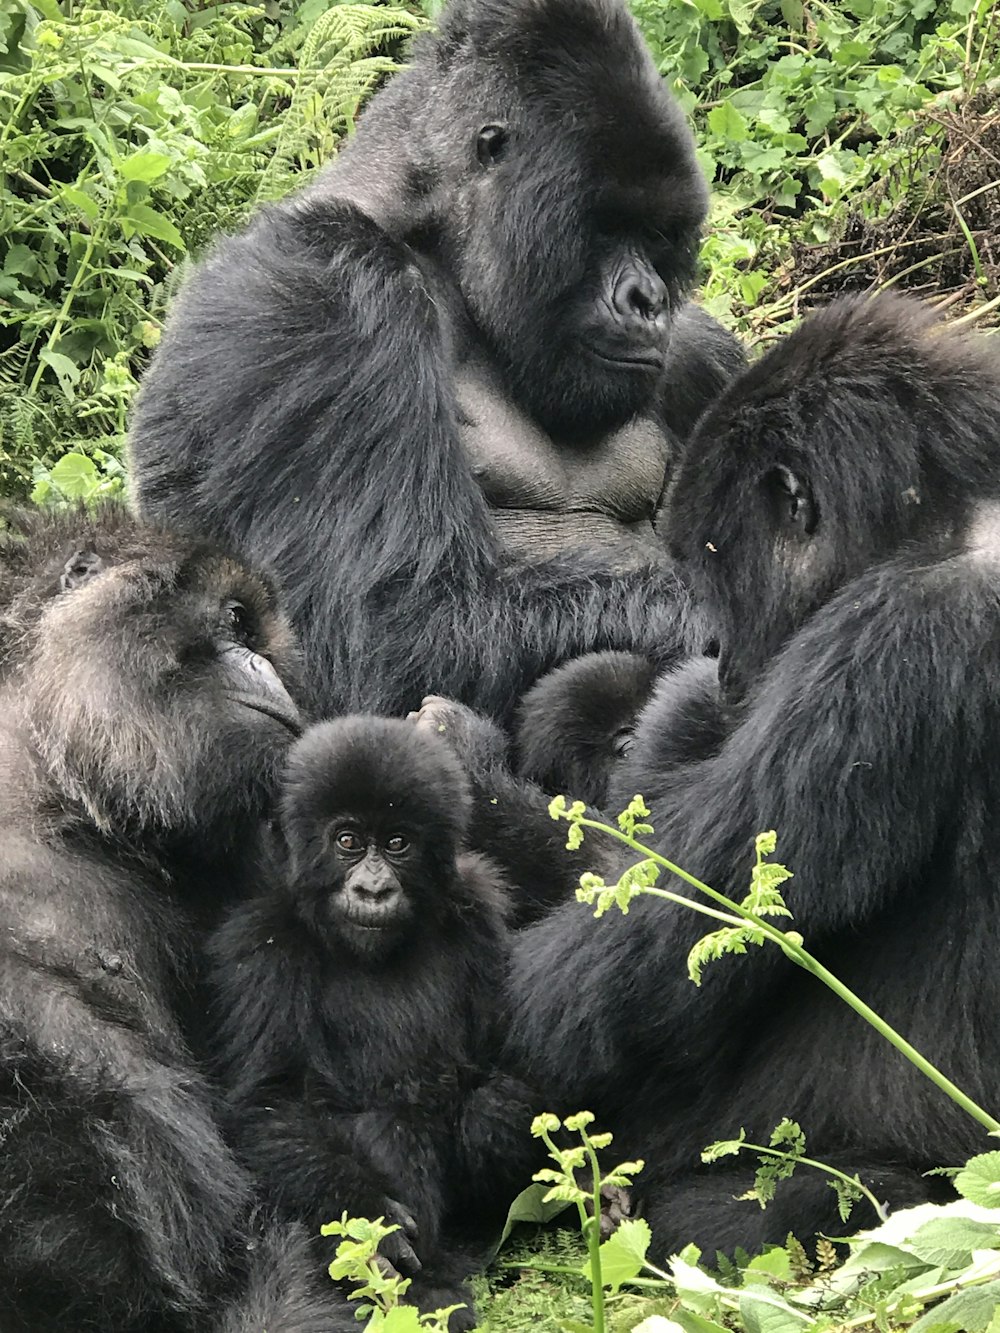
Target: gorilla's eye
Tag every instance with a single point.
(349, 841)
(622, 743)
(491, 144)
(397, 844)
(237, 621)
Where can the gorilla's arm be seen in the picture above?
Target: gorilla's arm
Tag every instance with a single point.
(101, 1102)
(851, 749)
(301, 408)
(510, 822)
(685, 720)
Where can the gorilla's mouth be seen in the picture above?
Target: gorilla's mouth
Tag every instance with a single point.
(289, 720)
(650, 360)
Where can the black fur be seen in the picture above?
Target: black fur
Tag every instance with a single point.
(393, 387)
(129, 775)
(840, 516)
(575, 725)
(358, 1050)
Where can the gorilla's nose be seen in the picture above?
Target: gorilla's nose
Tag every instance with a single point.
(640, 295)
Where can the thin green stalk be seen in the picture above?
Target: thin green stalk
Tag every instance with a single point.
(592, 1230)
(82, 271)
(798, 954)
(855, 1184)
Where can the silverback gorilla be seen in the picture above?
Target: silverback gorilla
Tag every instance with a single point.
(840, 516)
(464, 350)
(143, 722)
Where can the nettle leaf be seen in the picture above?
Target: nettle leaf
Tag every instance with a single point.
(971, 1310)
(144, 165)
(75, 475)
(622, 1255)
(979, 1180)
(950, 1241)
(770, 1314)
(726, 122)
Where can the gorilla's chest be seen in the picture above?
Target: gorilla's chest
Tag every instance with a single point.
(549, 495)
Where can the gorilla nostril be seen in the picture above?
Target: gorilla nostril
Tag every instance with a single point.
(640, 295)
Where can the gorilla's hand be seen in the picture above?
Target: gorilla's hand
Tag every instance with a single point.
(396, 1250)
(478, 743)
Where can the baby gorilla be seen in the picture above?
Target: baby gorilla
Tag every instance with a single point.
(361, 994)
(575, 726)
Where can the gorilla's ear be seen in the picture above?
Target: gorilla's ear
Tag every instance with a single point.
(491, 144)
(82, 566)
(792, 501)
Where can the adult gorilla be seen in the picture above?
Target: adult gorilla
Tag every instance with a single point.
(840, 515)
(464, 350)
(142, 725)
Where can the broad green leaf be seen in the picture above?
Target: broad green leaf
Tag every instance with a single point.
(147, 222)
(694, 1286)
(979, 1180)
(622, 1254)
(971, 1310)
(775, 1263)
(529, 1207)
(950, 1241)
(76, 475)
(20, 259)
(67, 373)
(696, 1323)
(770, 1314)
(727, 123)
(144, 166)
(401, 1319)
(82, 201)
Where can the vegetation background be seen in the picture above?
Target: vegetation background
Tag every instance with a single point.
(854, 144)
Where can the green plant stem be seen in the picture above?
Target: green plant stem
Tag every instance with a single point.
(795, 951)
(82, 270)
(853, 1182)
(593, 1234)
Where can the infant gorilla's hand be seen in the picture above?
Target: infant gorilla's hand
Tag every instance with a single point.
(477, 742)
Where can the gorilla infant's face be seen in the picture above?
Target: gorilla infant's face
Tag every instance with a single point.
(156, 693)
(373, 811)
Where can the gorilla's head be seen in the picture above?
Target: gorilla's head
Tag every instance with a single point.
(151, 686)
(535, 145)
(854, 439)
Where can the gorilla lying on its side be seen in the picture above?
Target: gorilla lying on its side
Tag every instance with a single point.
(361, 996)
(464, 350)
(840, 515)
(143, 720)
(574, 727)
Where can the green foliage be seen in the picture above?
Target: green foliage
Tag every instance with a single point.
(777, 1162)
(377, 1291)
(620, 1258)
(130, 135)
(762, 900)
(846, 140)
